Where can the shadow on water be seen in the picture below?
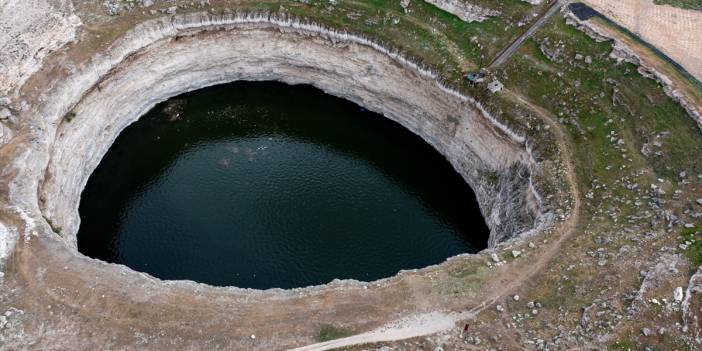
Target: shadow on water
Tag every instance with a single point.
(262, 184)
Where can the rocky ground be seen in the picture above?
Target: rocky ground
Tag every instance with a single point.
(618, 268)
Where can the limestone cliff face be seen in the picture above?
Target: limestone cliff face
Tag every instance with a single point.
(217, 49)
(64, 134)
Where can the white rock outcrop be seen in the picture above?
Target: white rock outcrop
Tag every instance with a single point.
(465, 10)
(30, 30)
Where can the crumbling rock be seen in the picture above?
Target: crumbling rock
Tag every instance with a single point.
(27, 36)
(493, 159)
(464, 10)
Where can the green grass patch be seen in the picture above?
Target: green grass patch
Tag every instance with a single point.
(602, 102)
(329, 332)
(624, 345)
(685, 4)
(692, 238)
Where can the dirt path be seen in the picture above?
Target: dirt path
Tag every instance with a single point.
(516, 275)
(509, 50)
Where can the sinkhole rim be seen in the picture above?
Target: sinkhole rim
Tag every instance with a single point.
(199, 26)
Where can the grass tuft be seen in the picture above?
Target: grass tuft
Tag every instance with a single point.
(691, 238)
(329, 332)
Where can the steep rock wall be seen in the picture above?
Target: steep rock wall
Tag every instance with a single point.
(189, 54)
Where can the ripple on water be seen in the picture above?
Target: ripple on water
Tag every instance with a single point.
(262, 185)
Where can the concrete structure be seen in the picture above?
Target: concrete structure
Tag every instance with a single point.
(495, 86)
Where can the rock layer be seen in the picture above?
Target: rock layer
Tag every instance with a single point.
(186, 55)
(61, 137)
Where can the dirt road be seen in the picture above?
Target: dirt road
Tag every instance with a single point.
(509, 50)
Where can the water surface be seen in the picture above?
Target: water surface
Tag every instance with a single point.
(262, 185)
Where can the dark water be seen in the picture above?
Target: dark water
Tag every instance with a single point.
(264, 185)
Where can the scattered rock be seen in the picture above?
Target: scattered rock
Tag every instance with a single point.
(550, 50)
(5, 114)
(694, 286)
(584, 319)
(495, 258)
(5, 134)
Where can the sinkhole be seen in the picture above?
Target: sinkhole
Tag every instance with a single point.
(267, 185)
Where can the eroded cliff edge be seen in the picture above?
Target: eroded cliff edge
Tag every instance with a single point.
(163, 58)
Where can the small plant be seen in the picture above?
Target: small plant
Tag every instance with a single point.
(70, 116)
(55, 228)
(624, 345)
(329, 332)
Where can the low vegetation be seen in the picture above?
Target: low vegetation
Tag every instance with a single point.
(330, 332)
(691, 242)
(685, 4)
